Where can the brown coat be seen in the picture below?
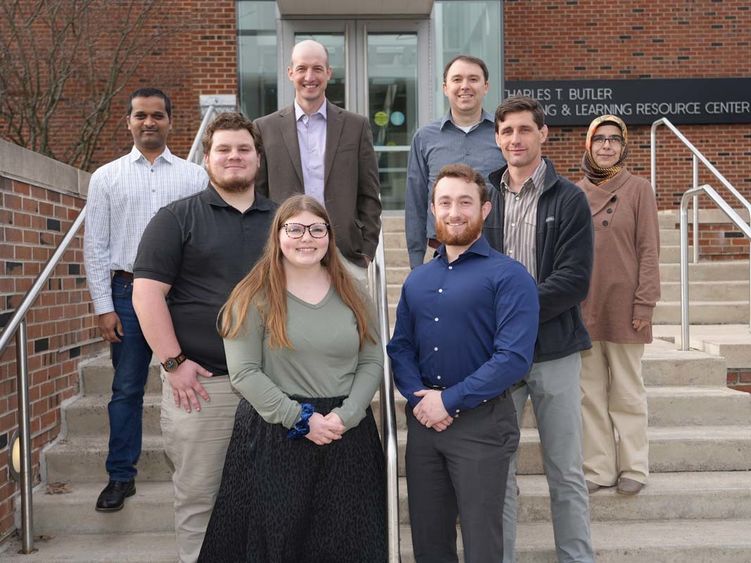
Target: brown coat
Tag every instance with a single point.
(625, 282)
(351, 184)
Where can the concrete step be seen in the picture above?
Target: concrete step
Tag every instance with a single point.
(151, 509)
(695, 496)
(96, 377)
(684, 448)
(151, 547)
(82, 460)
(395, 240)
(732, 342)
(733, 270)
(706, 291)
(88, 416)
(702, 312)
(662, 364)
(392, 222)
(684, 541)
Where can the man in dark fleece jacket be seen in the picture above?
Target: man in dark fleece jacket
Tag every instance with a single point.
(543, 220)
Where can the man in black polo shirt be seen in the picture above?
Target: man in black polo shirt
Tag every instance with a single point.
(191, 255)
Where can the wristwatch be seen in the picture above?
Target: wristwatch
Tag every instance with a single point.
(170, 364)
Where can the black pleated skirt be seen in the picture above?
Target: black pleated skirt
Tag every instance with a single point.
(284, 501)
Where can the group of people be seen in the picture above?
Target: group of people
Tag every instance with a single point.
(246, 279)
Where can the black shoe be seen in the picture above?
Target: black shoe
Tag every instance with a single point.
(112, 498)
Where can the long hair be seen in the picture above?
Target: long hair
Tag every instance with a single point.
(265, 287)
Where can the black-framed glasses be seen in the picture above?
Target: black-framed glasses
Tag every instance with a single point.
(614, 140)
(297, 230)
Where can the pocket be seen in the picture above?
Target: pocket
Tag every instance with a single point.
(121, 289)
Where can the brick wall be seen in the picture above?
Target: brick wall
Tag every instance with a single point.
(61, 329)
(586, 39)
(198, 55)
(740, 379)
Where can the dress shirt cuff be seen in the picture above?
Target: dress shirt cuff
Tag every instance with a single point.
(103, 304)
(453, 399)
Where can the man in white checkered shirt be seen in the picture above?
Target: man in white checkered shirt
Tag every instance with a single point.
(123, 197)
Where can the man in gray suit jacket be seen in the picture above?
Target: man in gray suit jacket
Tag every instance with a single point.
(317, 148)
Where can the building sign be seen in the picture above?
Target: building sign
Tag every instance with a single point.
(578, 102)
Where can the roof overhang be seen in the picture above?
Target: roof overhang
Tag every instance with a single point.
(356, 8)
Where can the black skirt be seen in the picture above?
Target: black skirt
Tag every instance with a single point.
(285, 500)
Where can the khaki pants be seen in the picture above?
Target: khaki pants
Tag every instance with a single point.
(614, 400)
(196, 444)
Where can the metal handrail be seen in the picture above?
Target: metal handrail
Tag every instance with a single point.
(388, 410)
(697, 157)
(194, 154)
(732, 215)
(17, 326)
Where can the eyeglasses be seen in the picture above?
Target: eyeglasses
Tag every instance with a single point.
(297, 230)
(600, 140)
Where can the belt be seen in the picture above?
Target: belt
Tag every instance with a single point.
(124, 274)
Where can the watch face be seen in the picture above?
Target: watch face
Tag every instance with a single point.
(170, 364)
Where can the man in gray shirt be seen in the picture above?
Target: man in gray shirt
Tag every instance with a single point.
(465, 134)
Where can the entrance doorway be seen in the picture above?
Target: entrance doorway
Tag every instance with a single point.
(380, 70)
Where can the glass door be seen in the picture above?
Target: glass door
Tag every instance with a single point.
(380, 70)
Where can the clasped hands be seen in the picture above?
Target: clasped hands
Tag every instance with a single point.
(430, 411)
(325, 429)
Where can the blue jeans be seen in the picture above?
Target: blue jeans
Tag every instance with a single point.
(130, 358)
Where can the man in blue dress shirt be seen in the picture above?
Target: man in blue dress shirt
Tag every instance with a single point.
(465, 333)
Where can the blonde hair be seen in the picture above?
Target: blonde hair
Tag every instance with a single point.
(265, 287)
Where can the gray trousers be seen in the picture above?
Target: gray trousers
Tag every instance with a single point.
(556, 399)
(460, 471)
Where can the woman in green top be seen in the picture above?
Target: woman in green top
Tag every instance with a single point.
(304, 474)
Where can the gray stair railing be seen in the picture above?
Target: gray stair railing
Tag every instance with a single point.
(694, 192)
(17, 327)
(377, 284)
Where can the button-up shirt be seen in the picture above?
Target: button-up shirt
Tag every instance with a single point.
(520, 218)
(311, 136)
(123, 197)
(467, 327)
(433, 147)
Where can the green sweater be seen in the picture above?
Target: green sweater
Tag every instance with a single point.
(325, 361)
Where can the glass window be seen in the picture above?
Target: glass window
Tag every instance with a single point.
(472, 28)
(392, 100)
(257, 57)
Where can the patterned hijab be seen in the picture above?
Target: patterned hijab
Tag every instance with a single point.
(592, 171)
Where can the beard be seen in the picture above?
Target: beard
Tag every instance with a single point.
(470, 233)
(235, 186)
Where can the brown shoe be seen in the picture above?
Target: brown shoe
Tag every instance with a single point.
(593, 487)
(628, 486)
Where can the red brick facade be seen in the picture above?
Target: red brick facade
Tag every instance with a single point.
(586, 39)
(61, 326)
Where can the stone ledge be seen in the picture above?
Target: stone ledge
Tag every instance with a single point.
(23, 165)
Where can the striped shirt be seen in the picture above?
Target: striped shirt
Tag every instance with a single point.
(123, 197)
(520, 218)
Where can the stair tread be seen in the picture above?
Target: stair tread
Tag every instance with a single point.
(154, 547)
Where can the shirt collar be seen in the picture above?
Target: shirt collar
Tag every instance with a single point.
(136, 155)
(484, 117)
(212, 197)
(299, 111)
(481, 247)
(537, 177)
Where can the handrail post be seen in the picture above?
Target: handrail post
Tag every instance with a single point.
(684, 275)
(695, 175)
(22, 392)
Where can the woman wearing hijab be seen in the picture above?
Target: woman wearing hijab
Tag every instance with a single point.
(624, 290)
(304, 478)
